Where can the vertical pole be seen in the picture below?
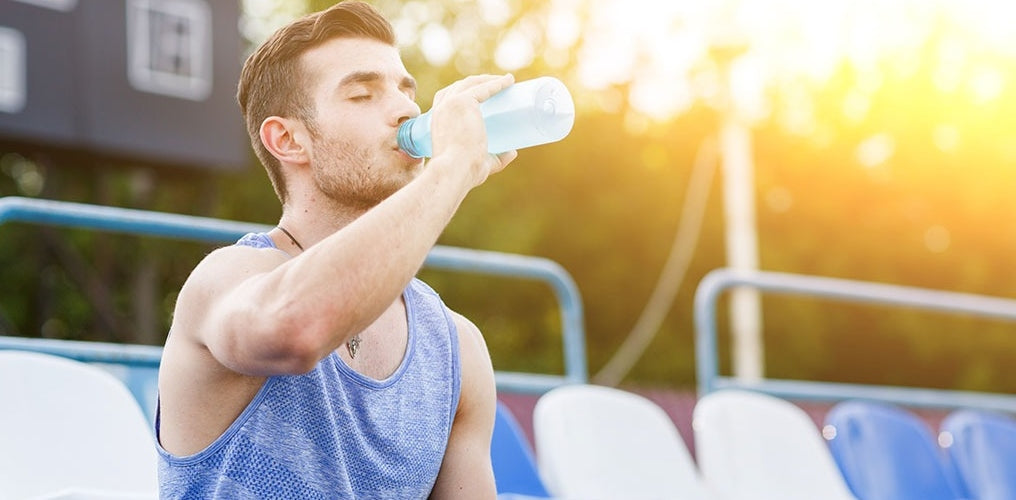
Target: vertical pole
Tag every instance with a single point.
(742, 248)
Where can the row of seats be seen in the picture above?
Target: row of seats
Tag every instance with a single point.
(591, 443)
(600, 443)
(887, 452)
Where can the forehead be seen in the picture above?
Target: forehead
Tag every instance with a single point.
(329, 62)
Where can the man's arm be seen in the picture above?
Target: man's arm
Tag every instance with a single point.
(466, 472)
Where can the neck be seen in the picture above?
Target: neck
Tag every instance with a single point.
(310, 223)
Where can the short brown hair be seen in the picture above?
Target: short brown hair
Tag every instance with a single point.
(271, 83)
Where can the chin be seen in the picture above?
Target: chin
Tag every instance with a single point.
(415, 166)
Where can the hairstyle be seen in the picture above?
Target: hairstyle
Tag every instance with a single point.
(272, 79)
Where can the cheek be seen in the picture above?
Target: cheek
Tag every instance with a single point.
(355, 130)
(341, 154)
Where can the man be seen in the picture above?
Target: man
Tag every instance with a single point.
(308, 362)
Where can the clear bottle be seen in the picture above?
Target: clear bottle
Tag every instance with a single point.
(529, 113)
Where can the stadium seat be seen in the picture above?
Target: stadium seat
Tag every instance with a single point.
(886, 452)
(756, 446)
(515, 469)
(596, 442)
(981, 446)
(71, 430)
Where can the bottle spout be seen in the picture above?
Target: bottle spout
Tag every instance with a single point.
(406, 141)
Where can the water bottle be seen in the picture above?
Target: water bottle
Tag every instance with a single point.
(529, 113)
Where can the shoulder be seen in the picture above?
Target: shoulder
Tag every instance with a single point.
(238, 259)
(478, 387)
(224, 266)
(221, 271)
(471, 341)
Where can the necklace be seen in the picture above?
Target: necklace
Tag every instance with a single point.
(353, 344)
(291, 238)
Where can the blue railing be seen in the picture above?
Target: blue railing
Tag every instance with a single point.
(716, 282)
(137, 365)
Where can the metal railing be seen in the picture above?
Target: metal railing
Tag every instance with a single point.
(718, 281)
(141, 362)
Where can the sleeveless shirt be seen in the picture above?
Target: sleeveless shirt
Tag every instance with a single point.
(333, 433)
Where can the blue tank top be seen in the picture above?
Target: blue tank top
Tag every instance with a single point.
(333, 433)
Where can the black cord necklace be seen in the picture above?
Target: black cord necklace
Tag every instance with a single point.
(291, 238)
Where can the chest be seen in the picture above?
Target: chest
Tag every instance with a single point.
(380, 348)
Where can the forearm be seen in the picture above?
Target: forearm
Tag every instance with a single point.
(343, 283)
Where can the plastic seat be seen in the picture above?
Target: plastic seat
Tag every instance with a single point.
(595, 442)
(515, 469)
(886, 452)
(756, 446)
(70, 430)
(982, 450)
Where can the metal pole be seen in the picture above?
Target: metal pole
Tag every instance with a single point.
(742, 248)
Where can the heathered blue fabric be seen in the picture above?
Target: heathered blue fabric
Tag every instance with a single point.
(333, 433)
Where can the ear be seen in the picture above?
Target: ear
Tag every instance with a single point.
(285, 139)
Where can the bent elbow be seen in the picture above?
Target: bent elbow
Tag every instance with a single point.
(299, 346)
(298, 364)
(281, 345)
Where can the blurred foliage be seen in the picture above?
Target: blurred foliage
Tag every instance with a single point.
(876, 172)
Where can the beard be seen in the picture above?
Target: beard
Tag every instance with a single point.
(353, 176)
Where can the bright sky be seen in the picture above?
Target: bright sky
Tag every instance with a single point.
(662, 46)
(666, 48)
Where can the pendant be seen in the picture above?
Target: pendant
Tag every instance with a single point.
(353, 345)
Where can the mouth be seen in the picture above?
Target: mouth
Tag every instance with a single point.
(406, 157)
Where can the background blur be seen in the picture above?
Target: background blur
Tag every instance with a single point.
(884, 147)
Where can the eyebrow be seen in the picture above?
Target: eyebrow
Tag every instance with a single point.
(407, 83)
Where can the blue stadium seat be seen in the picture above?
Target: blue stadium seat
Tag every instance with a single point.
(888, 453)
(514, 466)
(982, 449)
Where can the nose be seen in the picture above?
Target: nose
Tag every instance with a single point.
(405, 108)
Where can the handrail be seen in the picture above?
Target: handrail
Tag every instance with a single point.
(189, 227)
(718, 281)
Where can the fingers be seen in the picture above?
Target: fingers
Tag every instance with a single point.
(479, 87)
(457, 123)
(482, 90)
(507, 157)
(503, 160)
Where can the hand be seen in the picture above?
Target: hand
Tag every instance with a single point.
(457, 125)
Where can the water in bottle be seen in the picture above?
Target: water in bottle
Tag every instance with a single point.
(529, 113)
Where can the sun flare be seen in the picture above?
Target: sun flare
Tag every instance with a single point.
(674, 53)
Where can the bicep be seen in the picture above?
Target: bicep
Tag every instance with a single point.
(466, 470)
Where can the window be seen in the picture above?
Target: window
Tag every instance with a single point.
(169, 47)
(12, 70)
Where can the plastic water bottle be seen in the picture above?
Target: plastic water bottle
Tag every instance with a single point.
(529, 113)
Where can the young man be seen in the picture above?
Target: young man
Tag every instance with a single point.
(308, 362)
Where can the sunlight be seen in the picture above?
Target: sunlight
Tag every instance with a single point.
(663, 48)
(636, 37)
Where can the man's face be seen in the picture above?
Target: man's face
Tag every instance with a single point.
(361, 92)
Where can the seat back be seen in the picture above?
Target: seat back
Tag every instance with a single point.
(67, 425)
(886, 452)
(752, 445)
(982, 450)
(596, 442)
(514, 464)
